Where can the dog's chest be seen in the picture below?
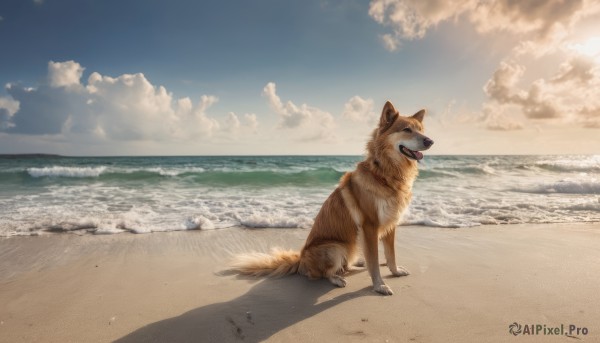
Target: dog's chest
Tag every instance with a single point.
(388, 211)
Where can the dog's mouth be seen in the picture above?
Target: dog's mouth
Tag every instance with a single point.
(411, 154)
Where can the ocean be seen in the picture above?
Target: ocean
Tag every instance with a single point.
(110, 195)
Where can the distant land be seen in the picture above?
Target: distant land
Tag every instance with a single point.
(9, 156)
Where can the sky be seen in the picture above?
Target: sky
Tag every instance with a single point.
(183, 77)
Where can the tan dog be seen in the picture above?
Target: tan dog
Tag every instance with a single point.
(366, 206)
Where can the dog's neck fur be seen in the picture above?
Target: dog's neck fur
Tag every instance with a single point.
(395, 176)
(392, 173)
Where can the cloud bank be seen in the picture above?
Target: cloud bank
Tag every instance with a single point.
(569, 92)
(125, 108)
(572, 93)
(537, 20)
(128, 108)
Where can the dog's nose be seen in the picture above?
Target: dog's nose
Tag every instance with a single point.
(427, 142)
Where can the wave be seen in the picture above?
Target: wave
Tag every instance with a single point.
(269, 178)
(456, 171)
(197, 175)
(59, 171)
(140, 224)
(566, 186)
(590, 164)
(436, 173)
(173, 172)
(79, 172)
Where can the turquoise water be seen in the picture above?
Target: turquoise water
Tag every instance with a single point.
(105, 195)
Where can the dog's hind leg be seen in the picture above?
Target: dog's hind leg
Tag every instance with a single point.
(337, 280)
(336, 259)
(390, 253)
(325, 260)
(359, 263)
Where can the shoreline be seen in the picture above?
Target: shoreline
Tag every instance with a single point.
(466, 284)
(83, 232)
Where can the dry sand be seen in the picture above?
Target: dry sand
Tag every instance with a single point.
(467, 285)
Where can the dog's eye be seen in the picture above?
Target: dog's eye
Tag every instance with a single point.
(407, 129)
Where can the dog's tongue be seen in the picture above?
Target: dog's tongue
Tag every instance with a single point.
(417, 155)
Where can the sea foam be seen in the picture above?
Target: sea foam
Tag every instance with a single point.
(60, 171)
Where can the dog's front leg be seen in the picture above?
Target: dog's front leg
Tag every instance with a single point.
(390, 253)
(372, 258)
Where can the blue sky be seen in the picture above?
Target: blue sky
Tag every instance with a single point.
(297, 77)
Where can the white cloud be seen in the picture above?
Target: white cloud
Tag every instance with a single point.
(270, 92)
(130, 107)
(291, 115)
(125, 108)
(8, 107)
(304, 118)
(505, 78)
(389, 42)
(578, 69)
(235, 126)
(359, 110)
(232, 123)
(251, 122)
(64, 74)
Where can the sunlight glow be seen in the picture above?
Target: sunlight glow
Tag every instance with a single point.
(590, 48)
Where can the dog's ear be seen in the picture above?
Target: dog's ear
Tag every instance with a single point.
(388, 116)
(419, 115)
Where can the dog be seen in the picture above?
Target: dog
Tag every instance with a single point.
(364, 208)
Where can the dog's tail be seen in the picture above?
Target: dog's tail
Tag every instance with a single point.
(277, 263)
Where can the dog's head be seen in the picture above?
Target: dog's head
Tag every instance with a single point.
(401, 137)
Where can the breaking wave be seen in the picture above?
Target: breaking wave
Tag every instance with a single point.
(58, 171)
(198, 175)
(566, 186)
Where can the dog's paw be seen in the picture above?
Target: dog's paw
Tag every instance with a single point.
(400, 271)
(383, 289)
(338, 281)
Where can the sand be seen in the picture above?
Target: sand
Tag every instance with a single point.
(467, 285)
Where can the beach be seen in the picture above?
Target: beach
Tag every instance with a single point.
(466, 285)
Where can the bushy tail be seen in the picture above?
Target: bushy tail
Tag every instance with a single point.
(277, 263)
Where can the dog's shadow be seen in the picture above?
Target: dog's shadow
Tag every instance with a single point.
(267, 308)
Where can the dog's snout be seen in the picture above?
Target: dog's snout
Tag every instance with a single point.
(427, 142)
